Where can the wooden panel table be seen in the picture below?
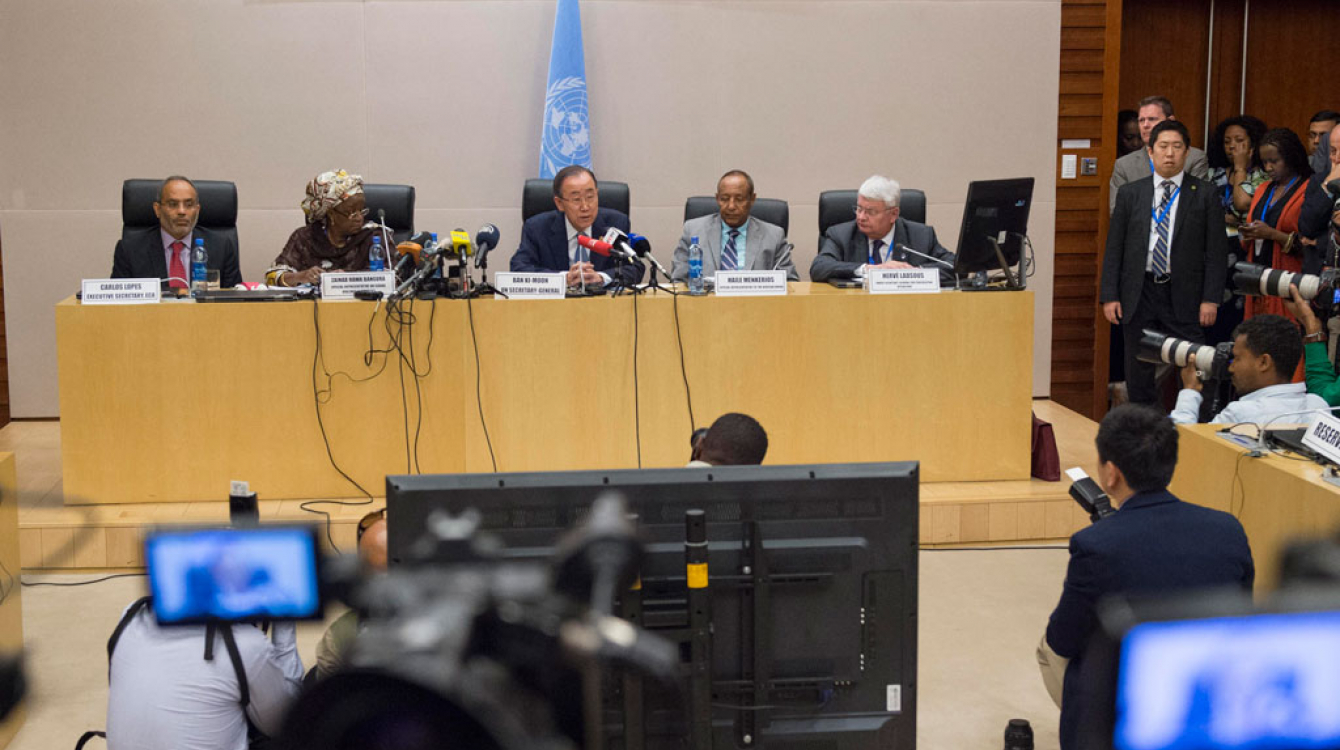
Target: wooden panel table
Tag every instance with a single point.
(1277, 499)
(11, 593)
(167, 402)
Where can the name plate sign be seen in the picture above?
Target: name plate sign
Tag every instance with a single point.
(901, 280)
(120, 291)
(750, 283)
(532, 285)
(337, 285)
(1323, 436)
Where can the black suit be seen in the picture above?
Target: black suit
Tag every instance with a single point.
(1197, 268)
(544, 246)
(139, 255)
(1314, 221)
(845, 249)
(1155, 545)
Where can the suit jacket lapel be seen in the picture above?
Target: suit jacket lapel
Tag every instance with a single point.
(559, 231)
(1185, 197)
(157, 255)
(753, 246)
(858, 247)
(1145, 207)
(712, 242)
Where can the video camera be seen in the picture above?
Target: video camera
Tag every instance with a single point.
(1323, 290)
(1211, 362)
(459, 646)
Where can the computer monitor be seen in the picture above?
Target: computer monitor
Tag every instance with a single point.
(812, 580)
(995, 222)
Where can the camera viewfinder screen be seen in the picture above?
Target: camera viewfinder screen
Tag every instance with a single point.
(233, 574)
(1239, 683)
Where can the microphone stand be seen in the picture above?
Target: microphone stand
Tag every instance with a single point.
(933, 259)
(483, 287)
(652, 281)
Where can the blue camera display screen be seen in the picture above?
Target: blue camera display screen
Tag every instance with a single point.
(233, 574)
(1239, 683)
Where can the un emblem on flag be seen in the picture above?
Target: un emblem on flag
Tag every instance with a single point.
(567, 139)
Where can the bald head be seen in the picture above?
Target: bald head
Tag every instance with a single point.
(372, 544)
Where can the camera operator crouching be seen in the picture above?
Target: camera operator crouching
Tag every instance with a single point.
(1266, 353)
(1153, 544)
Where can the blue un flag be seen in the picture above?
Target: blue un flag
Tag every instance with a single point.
(567, 136)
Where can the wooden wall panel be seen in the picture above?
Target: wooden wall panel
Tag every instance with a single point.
(1090, 49)
(1226, 67)
(1163, 51)
(1292, 58)
(4, 357)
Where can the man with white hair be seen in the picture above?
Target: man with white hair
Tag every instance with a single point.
(878, 237)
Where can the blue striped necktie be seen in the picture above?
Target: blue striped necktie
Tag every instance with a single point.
(1160, 265)
(728, 259)
(875, 248)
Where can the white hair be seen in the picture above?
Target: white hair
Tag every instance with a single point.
(880, 188)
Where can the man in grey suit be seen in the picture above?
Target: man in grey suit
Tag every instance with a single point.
(731, 239)
(1164, 267)
(1136, 165)
(879, 237)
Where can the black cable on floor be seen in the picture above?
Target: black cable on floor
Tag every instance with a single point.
(479, 398)
(83, 583)
(683, 371)
(637, 393)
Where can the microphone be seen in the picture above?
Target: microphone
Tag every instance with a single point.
(596, 246)
(485, 240)
(920, 254)
(618, 242)
(460, 244)
(642, 246)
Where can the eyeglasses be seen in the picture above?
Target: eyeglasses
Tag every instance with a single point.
(732, 200)
(863, 211)
(585, 199)
(353, 215)
(174, 205)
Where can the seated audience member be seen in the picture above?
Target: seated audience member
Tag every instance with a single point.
(1128, 132)
(334, 645)
(877, 237)
(1266, 352)
(732, 239)
(164, 252)
(695, 440)
(1154, 544)
(165, 695)
(1137, 165)
(335, 237)
(1270, 237)
(733, 440)
(1320, 373)
(1319, 220)
(1321, 123)
(549, 240)
(1234, 154)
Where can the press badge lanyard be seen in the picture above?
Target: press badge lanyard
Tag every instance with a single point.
(1270, 197)
(1157, 215)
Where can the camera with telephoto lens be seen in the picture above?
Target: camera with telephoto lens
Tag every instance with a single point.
(1211, 361)
(462, 646)
(1321, 290)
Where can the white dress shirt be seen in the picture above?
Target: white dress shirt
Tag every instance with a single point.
(165, 696)
(1261, 406)
(1172, 216)
(884, 251)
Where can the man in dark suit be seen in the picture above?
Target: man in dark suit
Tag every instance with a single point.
(549, 240)
(878, 237)
(165, 251)
(1154, 544)
(1165, 263)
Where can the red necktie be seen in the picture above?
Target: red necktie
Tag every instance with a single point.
(177, 269)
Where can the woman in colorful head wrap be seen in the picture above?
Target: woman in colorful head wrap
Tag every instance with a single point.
(335, 238)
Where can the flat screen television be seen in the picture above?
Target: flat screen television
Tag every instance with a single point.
(812, 580)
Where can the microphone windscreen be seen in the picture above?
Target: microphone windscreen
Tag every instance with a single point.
(639, 243)
(460, 243)
(487, 238)
(410, 248)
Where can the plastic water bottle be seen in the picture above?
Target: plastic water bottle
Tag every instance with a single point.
(695, 267)
(199, 266)
(376, 258)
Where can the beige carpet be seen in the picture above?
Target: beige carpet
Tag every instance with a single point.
(981, 616)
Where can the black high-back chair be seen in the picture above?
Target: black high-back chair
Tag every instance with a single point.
(398, 203)
(771, 210)
(837, 206)
(218, 206)
(538, 196)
